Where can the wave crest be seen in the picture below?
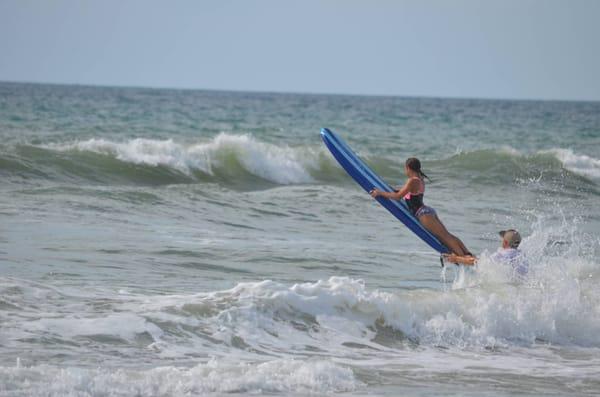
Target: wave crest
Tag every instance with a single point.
(223, 155)
(506, 163)
(243, 160)
(578, 163)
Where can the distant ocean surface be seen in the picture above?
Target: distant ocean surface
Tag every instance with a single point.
(168, 242)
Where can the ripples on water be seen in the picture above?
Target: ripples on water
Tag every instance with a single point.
(158, 242)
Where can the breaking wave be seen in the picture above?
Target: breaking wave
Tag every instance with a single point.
(243, 160)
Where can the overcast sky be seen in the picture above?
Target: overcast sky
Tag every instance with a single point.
(543, 49)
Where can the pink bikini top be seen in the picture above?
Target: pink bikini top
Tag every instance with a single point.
(414, 201)
(421, 191)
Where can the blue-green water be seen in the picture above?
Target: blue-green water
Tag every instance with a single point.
(166, 242)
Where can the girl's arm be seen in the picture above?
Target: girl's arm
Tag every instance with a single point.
(409, 186)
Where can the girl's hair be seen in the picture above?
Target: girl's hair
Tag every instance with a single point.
(414, 164)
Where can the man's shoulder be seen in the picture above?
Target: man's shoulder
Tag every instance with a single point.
(502, 253)
(507, 254)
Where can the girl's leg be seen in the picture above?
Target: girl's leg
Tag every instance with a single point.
(437, 228)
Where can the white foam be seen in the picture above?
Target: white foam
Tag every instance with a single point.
(340, 318)
(577, 163)
(123, 325)
(500, 314)
(216, 376)
(557, 306)
(279, 164)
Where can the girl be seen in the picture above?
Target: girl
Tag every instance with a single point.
(412, 192)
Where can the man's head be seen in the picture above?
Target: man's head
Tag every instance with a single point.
(510, 238)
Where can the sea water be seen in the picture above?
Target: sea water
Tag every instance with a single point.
(173, 242)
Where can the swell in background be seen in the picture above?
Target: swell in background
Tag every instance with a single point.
(210, 236)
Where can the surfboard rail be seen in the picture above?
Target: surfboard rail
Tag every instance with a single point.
(368, 180)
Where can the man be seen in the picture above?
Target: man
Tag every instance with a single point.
(508, 254)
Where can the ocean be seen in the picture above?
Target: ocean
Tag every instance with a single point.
(159, 242)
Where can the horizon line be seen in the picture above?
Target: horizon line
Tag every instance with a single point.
(276, 92)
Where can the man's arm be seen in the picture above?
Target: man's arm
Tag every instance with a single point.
(463, 260)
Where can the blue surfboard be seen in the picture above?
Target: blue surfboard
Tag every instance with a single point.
(368, 180)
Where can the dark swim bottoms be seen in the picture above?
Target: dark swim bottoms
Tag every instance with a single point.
(425, 210)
